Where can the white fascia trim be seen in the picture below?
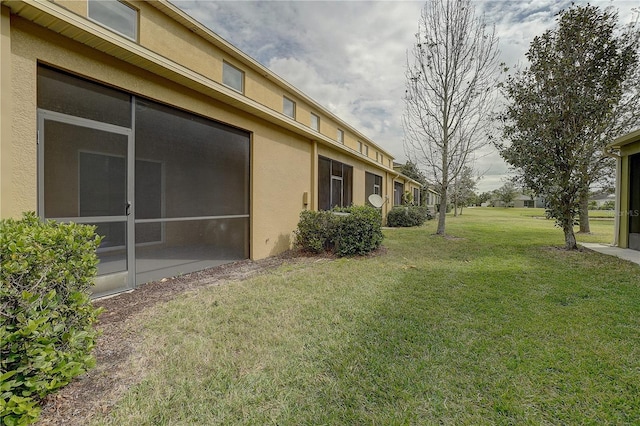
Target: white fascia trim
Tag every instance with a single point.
(134, 49)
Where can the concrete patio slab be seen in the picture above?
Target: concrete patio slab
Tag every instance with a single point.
(626, 254)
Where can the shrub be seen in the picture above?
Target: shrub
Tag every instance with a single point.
(46, 316)
(359, 232)
(316, 231)
(407, 216)
(345, 231)
(608, 205)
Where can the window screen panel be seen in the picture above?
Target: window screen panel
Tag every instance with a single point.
(205, 164)
(398, 191)
(347, 186)
(324, 184)
(61, 92)
(336, 168)
(373, 185)
(336, 192)
(192, 245)
(84, 171)
(103, 184)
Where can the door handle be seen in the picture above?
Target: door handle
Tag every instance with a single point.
(128, 209)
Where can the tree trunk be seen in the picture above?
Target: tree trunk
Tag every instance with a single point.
(584, 212)
(461, 206)
(569, 236)
(455, 207)
(442, 212)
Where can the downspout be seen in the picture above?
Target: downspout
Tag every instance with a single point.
(609, 152)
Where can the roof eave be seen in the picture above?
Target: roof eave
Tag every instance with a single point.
(627, 139)
(56, 18)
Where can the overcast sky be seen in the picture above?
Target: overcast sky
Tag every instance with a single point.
(350, 56)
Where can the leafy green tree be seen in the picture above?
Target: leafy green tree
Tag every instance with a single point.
(575, 96)
(463, 189)
(484, 197)
(411, 170)
(507, 193)
(451, 71)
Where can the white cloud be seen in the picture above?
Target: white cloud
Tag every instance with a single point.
(350, 56)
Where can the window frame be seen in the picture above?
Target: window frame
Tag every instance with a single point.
(136, 21)
(398, 192)
(373, 185)
(228, 66)
(332, 175)
(340, 136)
(416, 197)
(286, 100)
(317, 122)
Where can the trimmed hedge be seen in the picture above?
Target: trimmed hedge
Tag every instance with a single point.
(352, 231)
(408, 216)
(316, 231)
(359, 232)
(46, 316)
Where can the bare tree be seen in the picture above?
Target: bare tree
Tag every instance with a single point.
(451, 75)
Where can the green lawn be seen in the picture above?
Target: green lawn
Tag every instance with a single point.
(495, 326)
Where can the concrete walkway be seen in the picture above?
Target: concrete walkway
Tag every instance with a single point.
(626, 254)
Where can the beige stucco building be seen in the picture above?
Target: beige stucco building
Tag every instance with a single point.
(627, 151)
(182, 150)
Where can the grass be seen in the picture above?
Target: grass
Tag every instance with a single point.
(495, 326)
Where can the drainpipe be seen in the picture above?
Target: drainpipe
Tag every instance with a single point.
(609, 152)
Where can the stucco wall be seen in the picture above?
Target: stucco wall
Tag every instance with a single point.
(283, 163)
(19, 194)
(185, 46)
(280, 176)
(280, 160)
(6, 146)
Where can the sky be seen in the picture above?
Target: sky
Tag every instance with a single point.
(350, 56)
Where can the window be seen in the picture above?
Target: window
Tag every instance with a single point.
(366, 150)
(360, 147)
(116, 16)
(398, 192)
(288, 107)
(377, 156)
(315, 122)
(373, 185)
(232, 77)
(335, 184)
(381, 159)
(340, 136)
(416, 196)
